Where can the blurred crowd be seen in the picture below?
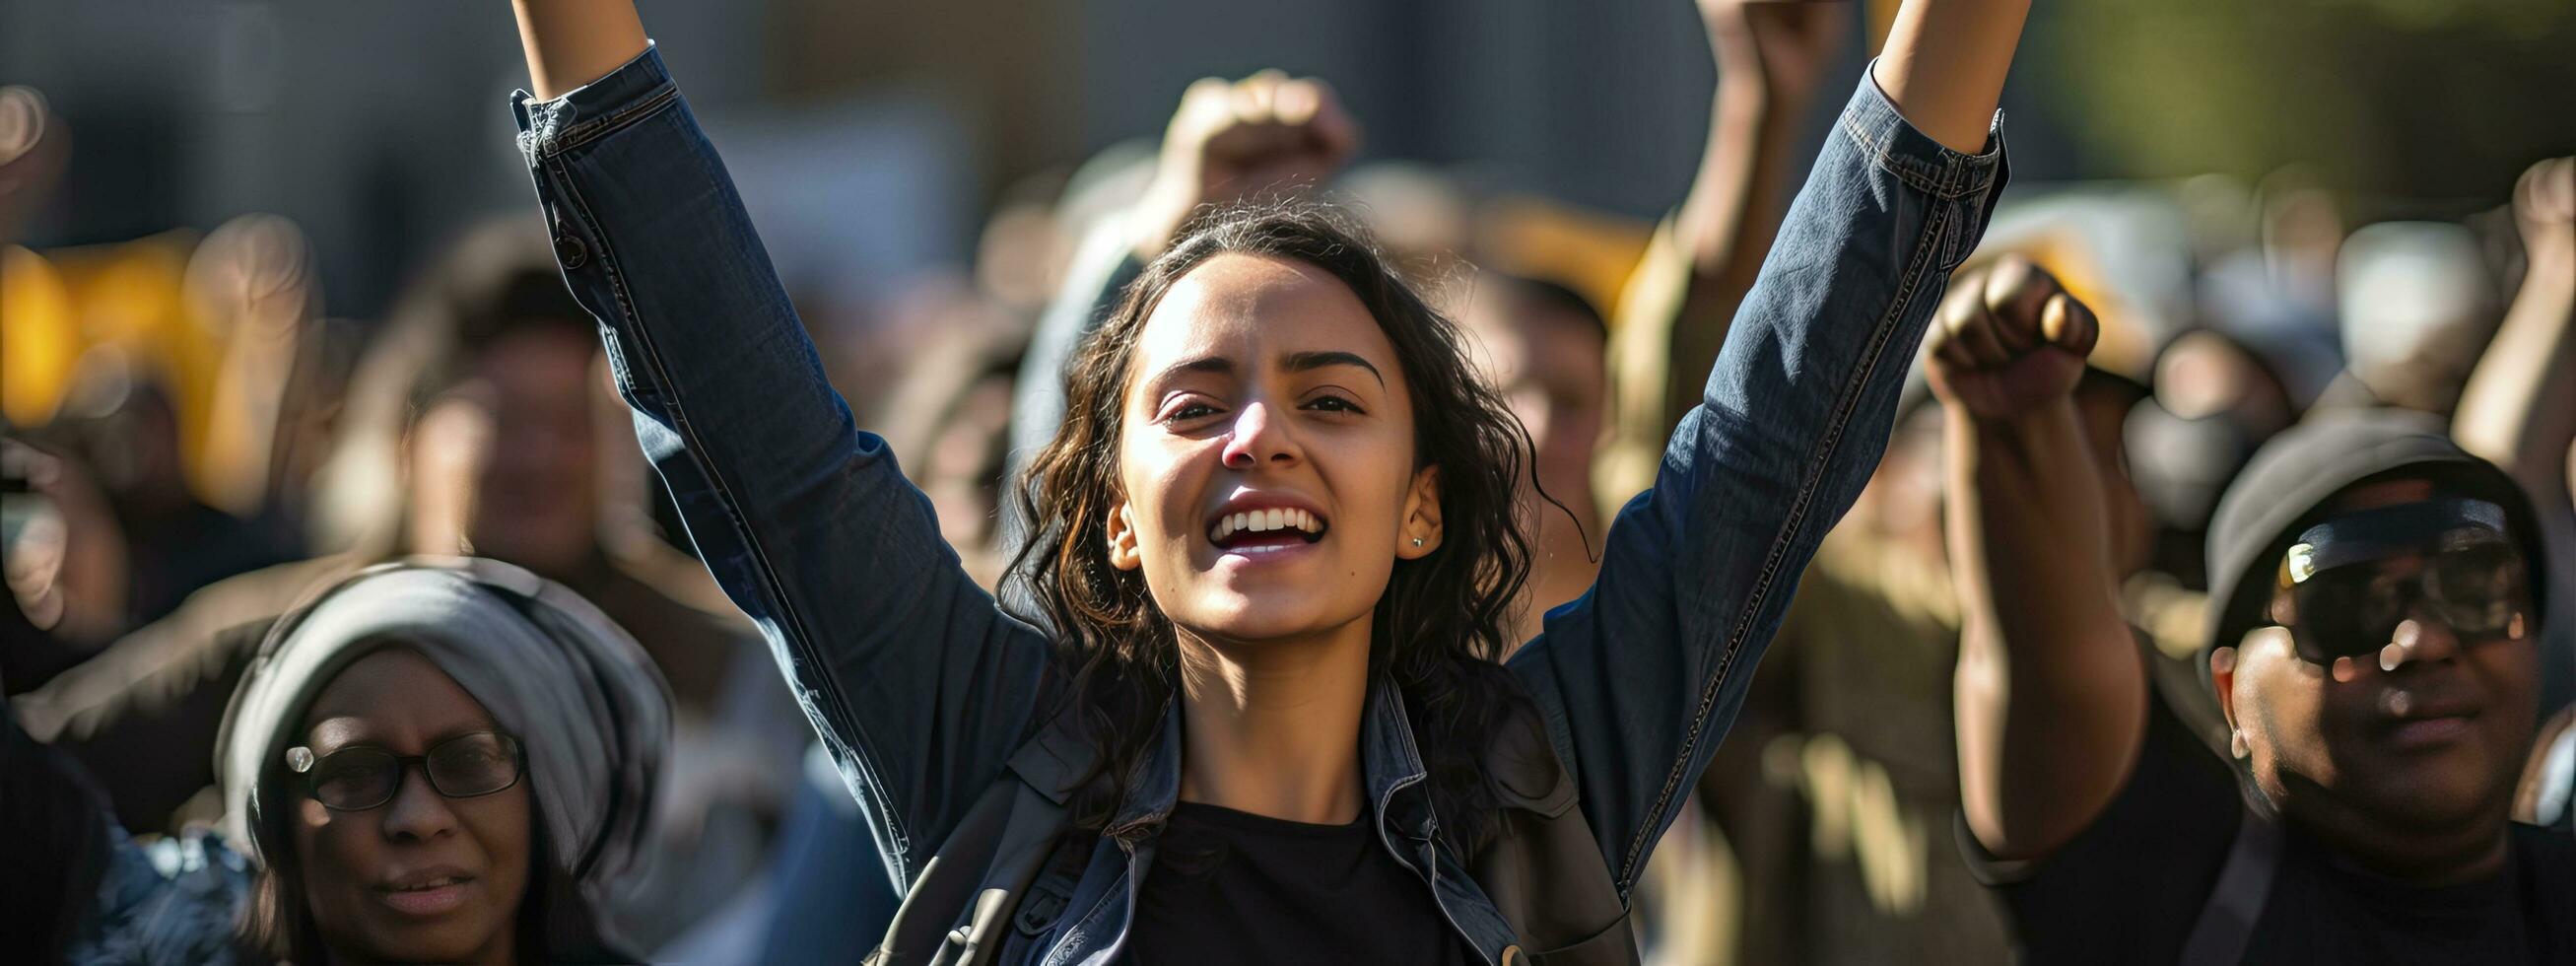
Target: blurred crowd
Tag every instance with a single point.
(192, 444)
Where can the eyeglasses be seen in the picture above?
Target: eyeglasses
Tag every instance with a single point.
(361, 778)
(2479, 591)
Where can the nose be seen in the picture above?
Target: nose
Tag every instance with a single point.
(418, 812)
(1259, 437)
(2418, 640)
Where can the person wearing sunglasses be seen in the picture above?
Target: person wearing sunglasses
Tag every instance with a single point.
(2375, 599)
(443, 760)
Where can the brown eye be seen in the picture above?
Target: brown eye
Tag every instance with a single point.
(1334, 404)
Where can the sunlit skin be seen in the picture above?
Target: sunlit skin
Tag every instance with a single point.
(355, 863)
(2410, 770)
(1261, 381)
(506, 465)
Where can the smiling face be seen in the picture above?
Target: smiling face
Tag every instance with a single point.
(2433, 745)
(421, 878)
(1261, 385)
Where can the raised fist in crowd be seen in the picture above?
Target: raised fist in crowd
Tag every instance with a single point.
(2544, 208)
(1784, 47)
(2007, 340)
(1232, 140)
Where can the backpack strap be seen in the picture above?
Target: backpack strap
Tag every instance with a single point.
(2226, 923)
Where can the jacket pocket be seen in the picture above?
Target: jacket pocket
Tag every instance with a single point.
(1614, 945)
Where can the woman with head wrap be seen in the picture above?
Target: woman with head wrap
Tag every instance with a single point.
(435, 760)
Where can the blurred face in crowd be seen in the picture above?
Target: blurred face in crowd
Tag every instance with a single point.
(1549, 361)
(1266, 457)
(2204, 374)
(2406, 756)
(423, 877)
(508, 460)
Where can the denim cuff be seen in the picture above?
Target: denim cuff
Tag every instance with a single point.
(1895, 146)
(623, 96)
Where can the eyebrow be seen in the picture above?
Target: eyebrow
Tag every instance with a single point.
(1304, 361)
(368, 738)
(1294, 362)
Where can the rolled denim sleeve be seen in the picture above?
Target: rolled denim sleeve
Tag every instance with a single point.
(1640, 677)
(918, 684)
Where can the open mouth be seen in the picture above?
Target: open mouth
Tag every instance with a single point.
(1263, 530)
(425, 895)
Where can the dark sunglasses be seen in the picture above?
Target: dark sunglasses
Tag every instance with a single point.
(360, 778)
(2338, 597)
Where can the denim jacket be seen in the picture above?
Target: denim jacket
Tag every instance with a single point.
(924, 690)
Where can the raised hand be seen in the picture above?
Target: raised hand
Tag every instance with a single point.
(1232, 140)
(1782, 45)
(2008, 340)
(2544, 208)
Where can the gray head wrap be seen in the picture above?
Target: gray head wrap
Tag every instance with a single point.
(582, 698)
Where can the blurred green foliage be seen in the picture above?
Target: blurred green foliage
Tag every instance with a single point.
(2442, 102)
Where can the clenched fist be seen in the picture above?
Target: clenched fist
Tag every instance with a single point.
(2544, 207)
(2008, 339)
(1232, 140)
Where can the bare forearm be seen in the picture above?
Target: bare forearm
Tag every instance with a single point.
(1944, 65)
(2519, 409)
(2051, 695)
(1735, 202)
(1725, 227)
(570, 43)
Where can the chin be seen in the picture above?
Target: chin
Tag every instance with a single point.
(434, 945)
(1263, 614)
(2442, 794)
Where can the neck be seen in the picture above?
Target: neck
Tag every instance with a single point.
(1273, 727)
(2413, 852)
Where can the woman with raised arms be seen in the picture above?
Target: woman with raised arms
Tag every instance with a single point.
(1252, 712)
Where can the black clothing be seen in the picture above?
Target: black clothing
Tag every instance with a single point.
(1232, 887)
(2131, 886)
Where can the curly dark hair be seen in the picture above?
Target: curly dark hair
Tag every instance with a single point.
(1437, 634)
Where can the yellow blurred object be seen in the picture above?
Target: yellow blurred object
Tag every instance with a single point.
(39, 337)
(131, 295)
(1587, 251)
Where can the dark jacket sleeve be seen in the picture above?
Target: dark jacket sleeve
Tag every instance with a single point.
(918, 684)
(1641, 676)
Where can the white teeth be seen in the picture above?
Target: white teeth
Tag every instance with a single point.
(1264, 521)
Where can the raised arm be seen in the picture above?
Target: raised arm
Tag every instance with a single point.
(2051, 692)
(2519, 408)
(573, 42)
(1674, 314)
(1944, 65)
(1640, 677)
(920, 687)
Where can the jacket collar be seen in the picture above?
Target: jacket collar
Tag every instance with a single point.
(1390, 767)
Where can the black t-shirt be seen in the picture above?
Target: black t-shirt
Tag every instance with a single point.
(2129, 888)
(1232, 887)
